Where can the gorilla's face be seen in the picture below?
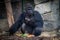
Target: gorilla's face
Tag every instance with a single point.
(29, 8)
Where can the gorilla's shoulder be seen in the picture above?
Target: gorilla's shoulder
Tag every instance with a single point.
(37, 14)
(38, 18)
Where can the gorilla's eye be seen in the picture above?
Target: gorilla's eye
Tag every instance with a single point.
(29, 8)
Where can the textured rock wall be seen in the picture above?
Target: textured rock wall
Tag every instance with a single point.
(49, 12)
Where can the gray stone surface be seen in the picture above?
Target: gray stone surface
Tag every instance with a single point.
(49, 12)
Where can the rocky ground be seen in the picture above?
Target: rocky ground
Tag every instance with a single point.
(26, 38)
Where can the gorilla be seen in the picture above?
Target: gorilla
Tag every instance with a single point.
(32, 20)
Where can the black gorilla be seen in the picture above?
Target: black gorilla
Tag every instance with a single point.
(32, 20)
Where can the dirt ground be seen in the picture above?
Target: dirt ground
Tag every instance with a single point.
(25, 38)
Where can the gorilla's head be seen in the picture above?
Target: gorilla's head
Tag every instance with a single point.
(29, 8)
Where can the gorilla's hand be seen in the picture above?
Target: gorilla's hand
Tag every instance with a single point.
(37, 31)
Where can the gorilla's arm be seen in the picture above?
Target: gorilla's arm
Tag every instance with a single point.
(39, 24)
(38, 19)
(16, 25)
